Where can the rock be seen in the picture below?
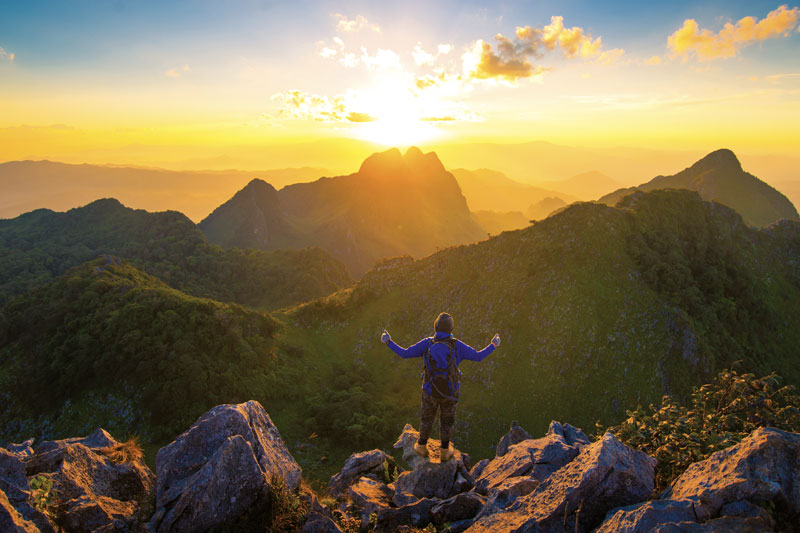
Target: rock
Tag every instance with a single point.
(745, 509)
(515, 434)
(429, 478)
(95, 493)
(401, 498)
(762, 467)
(16, 511)
(572, 435)
(506, 493)
(417, 514)
(646, 516)
(369, 496)
(370, 464)
(478, 469)
(605, 475)
(221, 468)
(319, 523)
(459, 507)
(534, 458)
(725, 524)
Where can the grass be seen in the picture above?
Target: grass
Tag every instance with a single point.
(124, 452)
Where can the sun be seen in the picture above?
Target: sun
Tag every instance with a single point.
(394, 115)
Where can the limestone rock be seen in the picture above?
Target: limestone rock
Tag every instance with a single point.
(534, 458)
(429, 478)
(369, 496)
(368, 464)
(606, 474)
(417, 514)
(572, 435)
(647, 516)
(95, 492)
(460, 507)
(515, 434)
(506, 493)
(762, 467)
(221, 468)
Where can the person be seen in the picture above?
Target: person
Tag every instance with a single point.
(441, 379)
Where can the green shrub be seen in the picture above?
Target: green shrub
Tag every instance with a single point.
(718, 415)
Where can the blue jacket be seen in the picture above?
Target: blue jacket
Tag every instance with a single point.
(439, 352)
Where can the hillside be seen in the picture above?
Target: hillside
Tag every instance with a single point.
(395, 204)
(40, 245)
(545, 207)
(494, 222)
(106, 344)
(599, 308)
(489, 190)
(29, 185)
(719, 177)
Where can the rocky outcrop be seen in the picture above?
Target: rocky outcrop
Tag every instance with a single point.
(605, 475)
(221, 469)
(763, 467)
(536, 459)
(515, 434)
(374, 464)
(84, 484)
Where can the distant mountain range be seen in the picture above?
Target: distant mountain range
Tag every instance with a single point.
(719, 177)
(584, 186)
(396, 204)
(29, 185)
(41, 245)
(490, 190)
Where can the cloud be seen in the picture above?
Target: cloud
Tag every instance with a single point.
(301, 105)
(510, 59)
(382, 60)
(176, 73)
(422, 57)
(6, 55)
(654, 60)
(346, 25)
(707, 45)
(360, 117)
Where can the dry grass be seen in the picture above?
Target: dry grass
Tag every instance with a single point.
(124, 452)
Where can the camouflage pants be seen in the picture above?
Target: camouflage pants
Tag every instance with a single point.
(427, 412)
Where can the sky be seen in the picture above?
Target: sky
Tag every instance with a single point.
(153, 82)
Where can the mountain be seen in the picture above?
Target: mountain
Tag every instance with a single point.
(29, 185)
(719, 177)
(40, 245)
(395, 204)
(545, 207)
(599, 309)
(107, 344)
(585, 186)
(494, 222)
(489, 190)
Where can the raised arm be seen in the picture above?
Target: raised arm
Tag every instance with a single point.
(465, 351)
(416, 350)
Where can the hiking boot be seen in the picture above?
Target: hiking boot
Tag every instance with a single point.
(446, 453)
(421, 449)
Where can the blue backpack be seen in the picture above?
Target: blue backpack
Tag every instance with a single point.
(445, 381)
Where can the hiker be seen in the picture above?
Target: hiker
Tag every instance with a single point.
(441, 378)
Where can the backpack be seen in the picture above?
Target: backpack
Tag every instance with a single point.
(444, 381)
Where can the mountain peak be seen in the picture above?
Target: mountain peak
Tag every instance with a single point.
(722, 159)
(380, 162)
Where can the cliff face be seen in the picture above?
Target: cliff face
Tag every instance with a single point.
(231, 469)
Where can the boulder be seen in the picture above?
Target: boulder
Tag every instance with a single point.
(459, 507)
(479, 467)
(515, 434)
(725, 524)
(647, 516)
(762, 467)
(533, 458)
(220, 469)
(368, 496)
(372, 464)
(429, 478)
(507, 493)
(417, 514)
(16, 512)
(572, 435)
(605, 475)
(95, 488)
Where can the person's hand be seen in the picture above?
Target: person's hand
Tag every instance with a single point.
(385, 338)
(496, 340)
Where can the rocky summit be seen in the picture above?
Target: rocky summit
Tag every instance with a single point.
(232, 471)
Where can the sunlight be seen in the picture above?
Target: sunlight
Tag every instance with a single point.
(397, 131)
